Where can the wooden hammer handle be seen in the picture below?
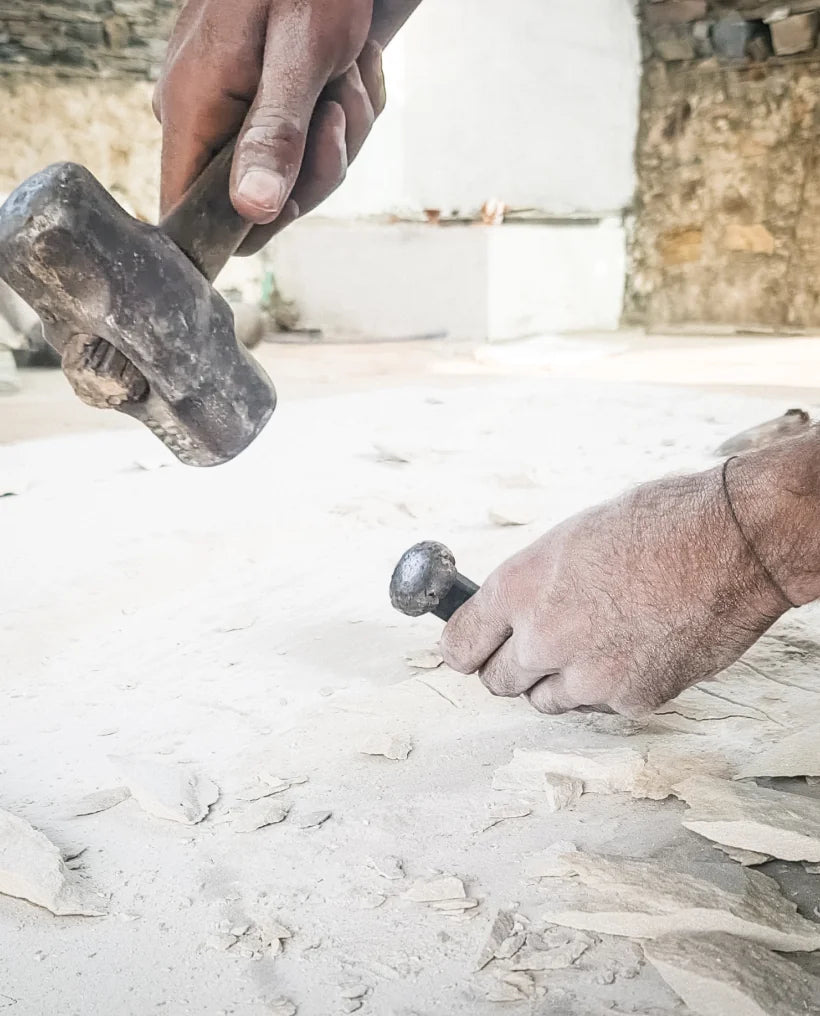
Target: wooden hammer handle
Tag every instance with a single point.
(204, 224)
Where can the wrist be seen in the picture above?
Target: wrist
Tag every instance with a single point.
(775, 493)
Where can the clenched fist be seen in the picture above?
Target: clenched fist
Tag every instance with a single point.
(300, 82)
(627, 604)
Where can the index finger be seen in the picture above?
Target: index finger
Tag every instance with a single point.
(475, 631)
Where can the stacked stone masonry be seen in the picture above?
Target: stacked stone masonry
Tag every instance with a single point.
(84, 38)
(727, 217)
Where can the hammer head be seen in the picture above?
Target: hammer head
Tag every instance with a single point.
(139, 328)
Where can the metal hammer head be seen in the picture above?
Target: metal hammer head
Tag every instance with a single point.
(139, 328)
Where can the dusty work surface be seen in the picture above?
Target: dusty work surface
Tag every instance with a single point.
(236, 621)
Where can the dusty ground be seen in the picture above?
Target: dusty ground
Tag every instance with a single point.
(238, 619)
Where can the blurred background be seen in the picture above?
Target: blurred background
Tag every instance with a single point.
(573, 169)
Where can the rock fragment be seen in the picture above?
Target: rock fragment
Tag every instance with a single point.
(504, 812)
(601, 770)
(313, 819)
(425, 659)
(561, 791)
(719, 974)
(396, 747)
(748, 817)
(551, 863)
(32, 869)
(178, 793)
(389, 866)
(101, 800)
(431, 890)
(260, 814)
(797, 754)
(748, 858)
(507, 935)
(554, 949)
(282, 1007)
(641, 898)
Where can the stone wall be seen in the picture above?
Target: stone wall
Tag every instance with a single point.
(92, 38)
(728, 207)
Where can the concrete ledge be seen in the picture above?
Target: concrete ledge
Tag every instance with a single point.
(363, 280)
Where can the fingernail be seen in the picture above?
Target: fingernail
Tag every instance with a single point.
(263, 190)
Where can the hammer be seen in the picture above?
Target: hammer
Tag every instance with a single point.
(426, 581)
(131, 309)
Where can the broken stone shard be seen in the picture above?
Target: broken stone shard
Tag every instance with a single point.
(260, 814)
(557, 949)
(454, 905)
(389, 866)
(674, 759)
(425, 659)
(748, 858)
(798, 754)
(749, 817)
(718, 975)
(503, 812)
(515, 986)
(393, 746)
(32, 869)
(551, 863)
(513, 511)
(601, 770)
(501, 929)
(641, 898)
(101, 800)
(430, 890)
(282, 1007)
(561, 791)
(220, 941)
(313, 819)
(178, 793)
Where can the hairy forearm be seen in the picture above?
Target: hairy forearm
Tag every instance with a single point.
(776, 494)
(388, 18)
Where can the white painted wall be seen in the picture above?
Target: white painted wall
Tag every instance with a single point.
(534, 102)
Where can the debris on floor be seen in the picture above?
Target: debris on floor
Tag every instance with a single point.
(436, 889)
(797, 754)
(32, 869)
(425, 659)
(748, 817)
(600, 770)
(505, 811)
(101, 800)
(396, 747)
(178, 793)
(260, 814)
(642, 898)
(719, 974)
(312, 819)
(389, 867)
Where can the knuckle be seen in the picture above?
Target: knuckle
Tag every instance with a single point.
(271, 128)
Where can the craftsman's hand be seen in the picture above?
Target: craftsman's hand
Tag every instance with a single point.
(627, 604)
(298, 79)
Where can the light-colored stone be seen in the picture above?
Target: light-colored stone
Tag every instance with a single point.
(178, 793)
(441, 887)
(101, 800)
(33, 869)
(720, 975)
(396, 747)
(755, 239)
(796, 34)
(425, 659)
(561, 791)
(641, 898)
(551, 863)
(601, 770)
(797, 754)
(748, 858)
(749, 817)
(681, 247)
(260, 814)
(557, 949)
(671, 760)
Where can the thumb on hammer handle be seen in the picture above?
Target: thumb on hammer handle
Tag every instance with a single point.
(204, 223)
(461, 591)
